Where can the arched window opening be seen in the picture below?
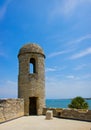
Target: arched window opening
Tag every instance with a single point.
(32, 66)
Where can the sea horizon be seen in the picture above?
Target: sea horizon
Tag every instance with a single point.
(69, 98)
(62, 103)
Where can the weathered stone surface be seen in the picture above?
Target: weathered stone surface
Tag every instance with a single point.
(31, 48)
(11, 108)
(70, 113)
(32, 85)
(49, 115)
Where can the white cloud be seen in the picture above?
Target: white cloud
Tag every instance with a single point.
(3, 9)
(70, 76)
(11, 83)
(73, 77)
(62, 8)
(88, 36)
(79, 77)
(81, 54)
(69, 6)
(57, 53)
(55, 69)
(50, 69)
(66, 8)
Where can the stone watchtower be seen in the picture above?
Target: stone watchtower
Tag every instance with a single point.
(31, 78)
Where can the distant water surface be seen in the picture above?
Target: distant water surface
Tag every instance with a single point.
(61, 103)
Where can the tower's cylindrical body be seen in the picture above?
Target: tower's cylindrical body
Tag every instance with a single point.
(31, 78)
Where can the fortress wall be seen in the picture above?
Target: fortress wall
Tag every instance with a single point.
(11, 109)
(75, 114)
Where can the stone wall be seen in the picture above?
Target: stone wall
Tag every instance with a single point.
(84, 115)
(11, 109)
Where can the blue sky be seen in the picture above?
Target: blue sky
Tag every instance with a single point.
(63, 29)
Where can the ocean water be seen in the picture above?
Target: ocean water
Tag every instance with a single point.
(61, 103)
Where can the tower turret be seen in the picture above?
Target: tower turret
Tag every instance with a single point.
(31, 78)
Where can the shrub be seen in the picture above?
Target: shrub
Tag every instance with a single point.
(78, 103)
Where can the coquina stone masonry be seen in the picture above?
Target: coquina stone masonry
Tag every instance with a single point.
(11, 109)
(31, 85)
(76, 114)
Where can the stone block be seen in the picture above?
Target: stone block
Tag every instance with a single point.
(49, 115)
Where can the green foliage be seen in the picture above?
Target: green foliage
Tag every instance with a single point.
(78, 103)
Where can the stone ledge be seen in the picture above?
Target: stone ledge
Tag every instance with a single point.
(11, 109)
(84, 115)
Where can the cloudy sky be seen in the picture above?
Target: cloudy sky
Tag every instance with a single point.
(63, 29)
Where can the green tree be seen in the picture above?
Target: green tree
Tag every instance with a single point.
(78, 103)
